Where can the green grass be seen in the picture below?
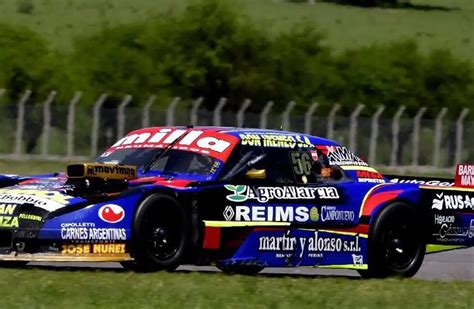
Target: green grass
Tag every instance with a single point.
(63, 288)
(31, 167)
(61, 21)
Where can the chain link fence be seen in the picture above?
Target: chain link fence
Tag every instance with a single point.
(48, 131)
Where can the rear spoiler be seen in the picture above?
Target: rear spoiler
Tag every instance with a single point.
(431, 181)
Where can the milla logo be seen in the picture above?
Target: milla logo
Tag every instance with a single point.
(168, 136)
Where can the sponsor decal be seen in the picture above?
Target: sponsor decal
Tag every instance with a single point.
(93, 249)
(271, 213)
(6, 215)
(20, 195)
(30, 217)
(111, 213)
(429, 182)
(332, 214)
(440, 219)
(264, 194)
(464, 175)
(275, 140)
(450, 201)
(341, 156)
(315, 243)
(86, 232)
(367, 176)
(357, 259)
(112, 169)
(448, 230)
(215, 167)
(194, 140)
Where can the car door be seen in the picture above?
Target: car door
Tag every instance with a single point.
(332, 205)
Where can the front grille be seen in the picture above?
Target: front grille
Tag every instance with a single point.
(5, 239)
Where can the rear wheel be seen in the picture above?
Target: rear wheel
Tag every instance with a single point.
(396, 244)
(159, 235)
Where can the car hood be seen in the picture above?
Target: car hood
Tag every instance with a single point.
(48, 194)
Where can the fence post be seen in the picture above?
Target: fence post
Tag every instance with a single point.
(459, 135)
(96, 123)
(285, 116)
(170, 111)
(121, 116)
(240, 118)
(195, 111)
(395, 137)
(354, 126)
(374, 135)
(20, 122)
(218, 111)
(46, 123)
(438, 136)
(71, 116)
(146, 111)
(308, 117)
(264, 114)
(331, 120)
(416, 136)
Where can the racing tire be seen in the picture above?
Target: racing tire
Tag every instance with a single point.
(247, 270)
(396, 246)
(160, 235)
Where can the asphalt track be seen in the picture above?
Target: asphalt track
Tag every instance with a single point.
(445, 266)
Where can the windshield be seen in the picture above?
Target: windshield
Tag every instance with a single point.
(173, 162)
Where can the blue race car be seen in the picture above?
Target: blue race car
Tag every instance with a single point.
(242, 199)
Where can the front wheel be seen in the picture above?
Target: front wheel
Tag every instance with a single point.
(159, 234)
(396, 243)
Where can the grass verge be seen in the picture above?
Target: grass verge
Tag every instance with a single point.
(52, 288)
(31, 167)
(432, 23)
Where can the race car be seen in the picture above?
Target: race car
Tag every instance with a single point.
(241, 199)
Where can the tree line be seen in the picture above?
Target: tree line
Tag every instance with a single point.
(210, 50)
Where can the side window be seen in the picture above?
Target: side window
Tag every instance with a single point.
(275, 161)
(277, 165)
(312, 166)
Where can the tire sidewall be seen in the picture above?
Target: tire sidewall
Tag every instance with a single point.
(144, 259)
(376, 259)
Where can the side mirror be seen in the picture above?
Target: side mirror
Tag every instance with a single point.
(256, 174)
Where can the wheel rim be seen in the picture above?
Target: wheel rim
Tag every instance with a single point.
(400, 244)
(164, 234)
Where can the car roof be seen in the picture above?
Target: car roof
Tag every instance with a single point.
(239, 132)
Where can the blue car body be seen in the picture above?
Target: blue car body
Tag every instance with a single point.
(252, 198)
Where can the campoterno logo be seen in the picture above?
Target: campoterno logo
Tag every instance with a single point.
(264, 194)
(111, 213)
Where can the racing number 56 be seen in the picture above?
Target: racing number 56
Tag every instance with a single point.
(301, 162)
